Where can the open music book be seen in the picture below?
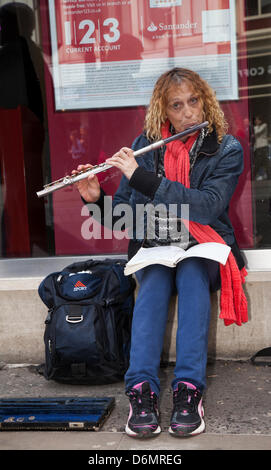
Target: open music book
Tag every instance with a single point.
(171, 255)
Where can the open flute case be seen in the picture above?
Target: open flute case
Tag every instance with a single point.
(54, 414)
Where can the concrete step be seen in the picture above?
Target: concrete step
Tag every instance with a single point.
(23, 314)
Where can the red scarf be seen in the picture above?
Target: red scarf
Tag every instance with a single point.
(233, 303)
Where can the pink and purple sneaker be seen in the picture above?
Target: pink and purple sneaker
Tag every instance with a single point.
(143, 419)
(187, 414)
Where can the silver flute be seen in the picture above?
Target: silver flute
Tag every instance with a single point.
(68, 180)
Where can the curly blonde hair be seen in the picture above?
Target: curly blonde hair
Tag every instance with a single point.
(156, 113)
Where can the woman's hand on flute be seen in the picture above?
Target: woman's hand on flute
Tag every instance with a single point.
(89, 188)
(125, 161)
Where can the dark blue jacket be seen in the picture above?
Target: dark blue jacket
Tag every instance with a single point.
(213, 180)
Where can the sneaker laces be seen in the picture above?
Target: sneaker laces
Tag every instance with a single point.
(143, 402)
(184, 399)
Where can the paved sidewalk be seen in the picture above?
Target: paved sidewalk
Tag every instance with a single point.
(237, 406)
(95, 442)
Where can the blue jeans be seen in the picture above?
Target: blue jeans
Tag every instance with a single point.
(192, 280)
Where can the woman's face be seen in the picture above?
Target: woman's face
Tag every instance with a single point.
(184, 107)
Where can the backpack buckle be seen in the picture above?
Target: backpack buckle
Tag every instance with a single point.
(74, 318)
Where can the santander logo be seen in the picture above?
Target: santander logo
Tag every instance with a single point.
(172, 27)
(152, 27)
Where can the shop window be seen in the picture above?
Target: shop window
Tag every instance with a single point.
(265, 7)
(252, 8)
(73, 105)
(257, 7)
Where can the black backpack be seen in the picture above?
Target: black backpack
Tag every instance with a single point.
(88, 327)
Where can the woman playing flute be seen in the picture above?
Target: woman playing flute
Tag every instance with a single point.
(200, 171)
